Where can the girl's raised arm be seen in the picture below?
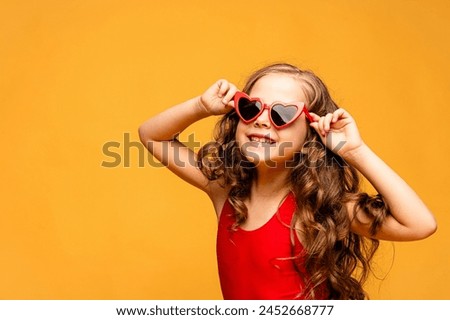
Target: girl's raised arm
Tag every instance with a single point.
(409, 217)
(159, 133)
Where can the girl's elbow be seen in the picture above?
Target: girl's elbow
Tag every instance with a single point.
(141, 132)
(427, 229)
(144, 134)
(431, 225)
(432, 228)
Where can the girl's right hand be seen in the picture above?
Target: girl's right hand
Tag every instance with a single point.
(218, 99)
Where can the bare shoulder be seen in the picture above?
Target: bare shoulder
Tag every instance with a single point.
(218, 193)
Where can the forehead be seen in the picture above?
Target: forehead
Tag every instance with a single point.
(278, 87)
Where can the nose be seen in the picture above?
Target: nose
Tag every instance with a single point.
(263, 120)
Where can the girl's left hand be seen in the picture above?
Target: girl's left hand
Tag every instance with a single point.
(338, 132)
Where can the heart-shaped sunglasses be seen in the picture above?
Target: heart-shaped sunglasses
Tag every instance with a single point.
(280, 114)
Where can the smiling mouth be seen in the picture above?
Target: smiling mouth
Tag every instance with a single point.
(261, 140)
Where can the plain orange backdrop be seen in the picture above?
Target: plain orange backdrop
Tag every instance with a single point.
(78, 78)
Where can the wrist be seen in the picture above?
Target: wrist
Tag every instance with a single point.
(200, 107)
(357, 155)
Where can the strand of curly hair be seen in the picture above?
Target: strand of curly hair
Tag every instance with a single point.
(322, 183)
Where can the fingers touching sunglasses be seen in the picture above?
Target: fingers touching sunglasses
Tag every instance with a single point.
(280, 114)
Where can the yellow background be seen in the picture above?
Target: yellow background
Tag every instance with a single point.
(76, 75)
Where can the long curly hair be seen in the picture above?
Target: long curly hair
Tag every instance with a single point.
(334, 257)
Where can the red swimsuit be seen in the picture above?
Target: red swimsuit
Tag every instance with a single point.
(256, 264)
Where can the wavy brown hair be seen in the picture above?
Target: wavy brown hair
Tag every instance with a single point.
(334, 257)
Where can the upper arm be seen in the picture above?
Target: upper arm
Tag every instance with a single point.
(182, 161)
(179, 159)
(390, 228)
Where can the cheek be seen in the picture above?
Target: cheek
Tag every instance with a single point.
(296, 136)
(288, 148)
(240, 135)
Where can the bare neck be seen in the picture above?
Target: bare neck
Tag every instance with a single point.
(270, 182)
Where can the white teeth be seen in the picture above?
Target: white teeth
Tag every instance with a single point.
(260, 140)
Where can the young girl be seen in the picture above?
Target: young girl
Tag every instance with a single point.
(282, 175)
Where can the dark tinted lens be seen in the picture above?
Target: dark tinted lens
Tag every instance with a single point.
(283, 114)
(248, 109)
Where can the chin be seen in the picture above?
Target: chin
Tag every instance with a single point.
(259, 158)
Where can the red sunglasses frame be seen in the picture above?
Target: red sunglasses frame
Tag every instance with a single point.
(301, 107)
